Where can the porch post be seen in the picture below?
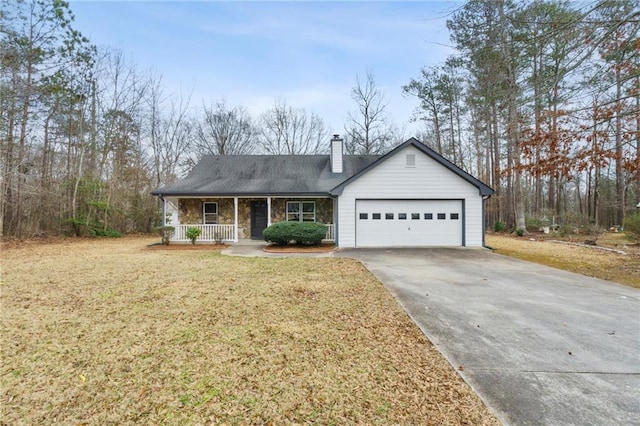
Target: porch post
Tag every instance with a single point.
(335, 222)
(268, 211)
(235, 223)
(164, 212)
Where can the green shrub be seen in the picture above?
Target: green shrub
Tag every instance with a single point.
(301, 233)
(193, 233)
(632, 226)
(566, 230)
(533, 223)
(109, 233)
(82, 227)
(499, 226)
(166, 232)
(520, 232)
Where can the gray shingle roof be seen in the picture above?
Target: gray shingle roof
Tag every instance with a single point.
(265, 175)
(232, 175)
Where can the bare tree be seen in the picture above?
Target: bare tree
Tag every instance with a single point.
(286, 130)
(224, 131)
(124, 169)
(368, 131)
(170, 133)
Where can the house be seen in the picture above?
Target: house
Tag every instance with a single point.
(411, 197)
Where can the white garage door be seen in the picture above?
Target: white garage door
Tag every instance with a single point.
(408, 223)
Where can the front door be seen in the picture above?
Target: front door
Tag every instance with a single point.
(258, 219)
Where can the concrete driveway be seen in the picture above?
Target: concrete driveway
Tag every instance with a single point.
(539, 345)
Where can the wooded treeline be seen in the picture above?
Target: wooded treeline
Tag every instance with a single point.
(86, 135)
(542, 103)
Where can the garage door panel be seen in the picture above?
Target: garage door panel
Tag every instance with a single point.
(408, 223)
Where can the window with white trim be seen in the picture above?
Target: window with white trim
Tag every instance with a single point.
(301, 211)
(210, 213)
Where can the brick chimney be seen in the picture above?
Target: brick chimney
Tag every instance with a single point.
(336, 154)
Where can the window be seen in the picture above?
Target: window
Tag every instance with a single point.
(308, 211)
(402, 216)
(388, 216)
(376, 216)
(428, 216)
(410, 160)
(293, 211)
(210, 213)
(415, 216)
(454, 216)
(364, 216)
(442, 216)
(301, 211)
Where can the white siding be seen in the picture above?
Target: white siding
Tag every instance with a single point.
(172, 211)
(392, 179)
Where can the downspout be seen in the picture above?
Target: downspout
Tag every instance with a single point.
(164, 211)
(163, 230)
(464, 223)
(335, 222)
(484, 220)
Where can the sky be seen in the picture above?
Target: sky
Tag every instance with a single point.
(252, 53)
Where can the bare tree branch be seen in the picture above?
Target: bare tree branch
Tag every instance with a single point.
(286, 130)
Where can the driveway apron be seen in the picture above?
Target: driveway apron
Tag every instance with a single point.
(539, 345)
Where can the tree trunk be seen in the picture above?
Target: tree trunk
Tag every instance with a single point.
(512, 120)
(22, 141)
(620, 208)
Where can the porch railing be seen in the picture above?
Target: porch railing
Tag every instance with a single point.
(208, 233)
(215, 233)
(330, 230)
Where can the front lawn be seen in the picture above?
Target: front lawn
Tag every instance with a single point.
(109, 332)
(590, 261)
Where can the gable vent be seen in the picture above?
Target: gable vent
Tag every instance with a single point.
(410, 160)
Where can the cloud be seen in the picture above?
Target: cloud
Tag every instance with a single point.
(253, 53)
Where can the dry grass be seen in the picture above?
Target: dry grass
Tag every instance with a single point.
(107, 332)
(623, 269)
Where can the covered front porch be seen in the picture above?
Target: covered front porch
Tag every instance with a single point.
(231, 219)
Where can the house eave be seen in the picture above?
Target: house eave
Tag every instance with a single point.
(240, 194)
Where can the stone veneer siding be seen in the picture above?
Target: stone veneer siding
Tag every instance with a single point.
(191, 211)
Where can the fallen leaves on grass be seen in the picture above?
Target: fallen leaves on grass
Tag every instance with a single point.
(189, 246)
(98, 332)
(623, 269)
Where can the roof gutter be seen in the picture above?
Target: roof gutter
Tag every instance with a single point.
(244, 195)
